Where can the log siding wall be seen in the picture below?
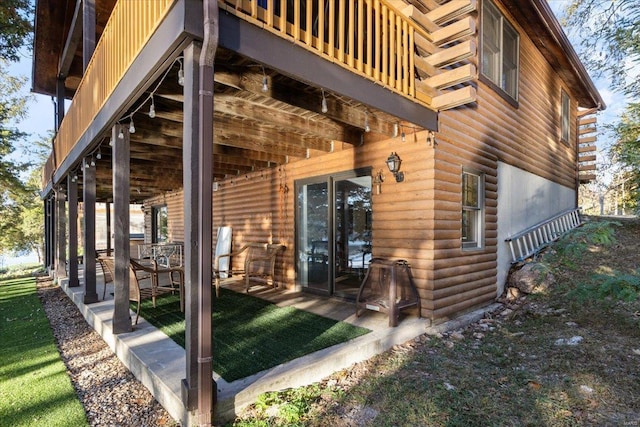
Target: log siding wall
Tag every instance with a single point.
(420, 219)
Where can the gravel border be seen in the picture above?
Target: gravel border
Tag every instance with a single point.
(109, 392)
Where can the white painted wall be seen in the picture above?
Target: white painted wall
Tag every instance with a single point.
(524, 199)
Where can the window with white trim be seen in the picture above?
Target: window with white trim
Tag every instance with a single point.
(565, 115)
(472, 209)
(500, 50)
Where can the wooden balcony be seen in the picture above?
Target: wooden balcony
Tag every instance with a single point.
(419, 50)
(128, 29)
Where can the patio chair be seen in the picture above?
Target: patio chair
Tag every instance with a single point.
(259, 261)
(151, 269)
(139, 287)
(107, 273)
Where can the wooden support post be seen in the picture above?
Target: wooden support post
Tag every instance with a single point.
(47, 233)
(89, 198)
(61, 240)
(72, 196)
(121, 156)
(191, 201)
(107, 207)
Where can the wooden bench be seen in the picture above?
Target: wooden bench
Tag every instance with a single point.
(259, 261)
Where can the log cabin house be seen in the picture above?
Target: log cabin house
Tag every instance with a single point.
(284, 119)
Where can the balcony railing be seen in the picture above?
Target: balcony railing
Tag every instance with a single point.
(383, 43)
(423, 54)
(130, 26)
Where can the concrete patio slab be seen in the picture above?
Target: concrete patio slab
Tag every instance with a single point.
(160, 364)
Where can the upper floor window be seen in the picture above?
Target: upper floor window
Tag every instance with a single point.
(500, 50)
(566, 114)
(472, 209)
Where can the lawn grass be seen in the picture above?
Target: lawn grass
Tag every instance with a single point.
(251, 334)
(510, 369)
(35, 389)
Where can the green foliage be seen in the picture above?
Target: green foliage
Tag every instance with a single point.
(292, 406)
(570, 247)
(16, 30)
(610, 39)
(617, 286)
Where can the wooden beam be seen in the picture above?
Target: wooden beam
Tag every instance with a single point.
(585, 168)
(586, 130)
(452, 77)
(586, 178)
(454, 98)
(453, 32)
(583, 121)
(451, 10)
(586, 149)
(453, 54)
(71, 43)
(587, 139)
(591, 158)
(420, 18)
(89, 217)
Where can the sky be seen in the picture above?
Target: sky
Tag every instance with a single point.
(40, 119)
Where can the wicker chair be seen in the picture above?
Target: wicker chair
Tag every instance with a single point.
(107, 273)
(259, 261)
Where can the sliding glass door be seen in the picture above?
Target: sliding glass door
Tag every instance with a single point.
(333, 232)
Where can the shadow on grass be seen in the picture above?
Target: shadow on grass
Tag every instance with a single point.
(251, 334)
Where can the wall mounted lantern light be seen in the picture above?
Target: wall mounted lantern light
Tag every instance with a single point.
(393, 163)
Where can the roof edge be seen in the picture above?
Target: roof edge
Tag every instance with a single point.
(555, 29)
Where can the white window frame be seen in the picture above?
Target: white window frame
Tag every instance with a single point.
(496, 66)
(474, 213)
(565, 117)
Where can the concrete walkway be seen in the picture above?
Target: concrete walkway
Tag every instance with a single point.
(160, 364)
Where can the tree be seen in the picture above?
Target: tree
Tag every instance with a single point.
(609, 40)
(15, 27)
(610, 47)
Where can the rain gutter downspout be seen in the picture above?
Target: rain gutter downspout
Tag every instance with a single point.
(206, 389)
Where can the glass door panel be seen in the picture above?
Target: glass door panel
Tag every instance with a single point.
(313, 236)
(352, 213)
(333, 234)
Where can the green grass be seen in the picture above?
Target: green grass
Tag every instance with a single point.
(35, 389)
(250, 334)
(506, 370)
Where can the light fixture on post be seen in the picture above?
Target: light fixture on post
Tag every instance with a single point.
(121, 133)
(393, 163)
(367, 128)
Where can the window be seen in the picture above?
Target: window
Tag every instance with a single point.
(500, 50)
(472, 207)
(159, 224)
(565, 125)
